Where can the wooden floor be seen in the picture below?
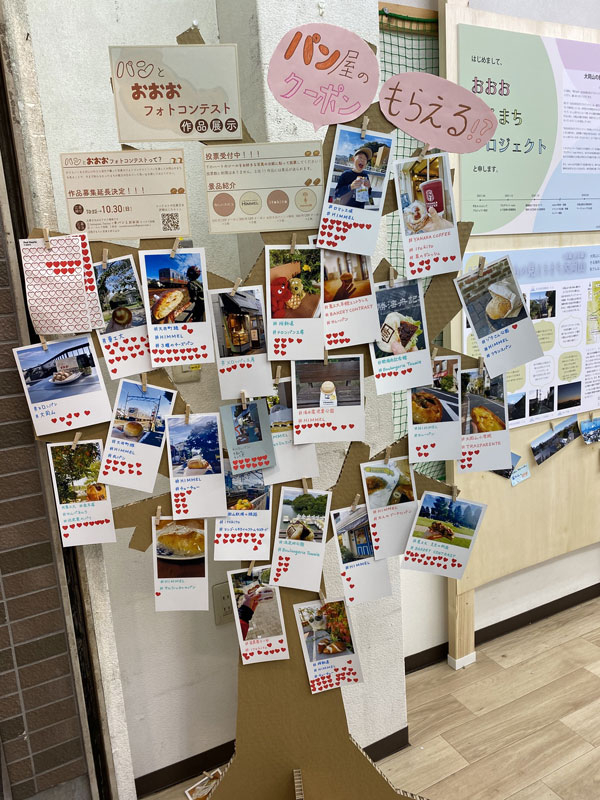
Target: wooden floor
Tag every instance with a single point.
(521, 723)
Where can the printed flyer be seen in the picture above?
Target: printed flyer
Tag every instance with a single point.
(561, 289)
(539, 172)
(328, 647)
(83, 504)
(180, 574)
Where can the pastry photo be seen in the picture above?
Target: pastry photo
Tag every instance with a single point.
(483, 402)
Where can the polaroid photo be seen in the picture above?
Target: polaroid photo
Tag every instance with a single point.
(391, 504)
(301, 533)
(247, 435)
(434, 432)
(196, 466)
(63, 385)
(294, 302)
(443, 535)
(552, 441)
(244, 533)
(294, 461)
(507, 473)
(124, 337)
(238, 322)
(180, 564)
(258, 615)
(363, 578)
(328, 402)
(350, 312)
(327, 639)
(205, 786)
(484, 422)
(136, 436)
(83, 504)
(356, 187)
(400, 350)
(175, 293)
(498, 316)
(60, 286)
(590, 429)
(427, 215)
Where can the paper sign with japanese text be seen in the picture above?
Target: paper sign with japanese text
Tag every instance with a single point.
(443, 535)
(180, 564)
(434, 430)
(363, 578)
(350, 311)
(300, 544)
(437, 111)
(128, 194)
(294, 461)
(520, 474)
(175, 291)
(245, 533)
(323, 73)
(238, 324)
(327, 640)
(176, 92)
(484, 421)
(498, 316)
(63, 385)
(391, 504)
(427, 216)
(258, 616)
(294, 302)
(83, 504)
(136, 437)
(247, 435)
(355, 191)
(328, 402)
(60, 286)
(400, 352)
(263, 187)
(124, 337)
(196, 466)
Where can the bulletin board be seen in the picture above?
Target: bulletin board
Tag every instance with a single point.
(549, 514)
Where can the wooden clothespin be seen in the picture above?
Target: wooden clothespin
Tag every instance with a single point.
(244, 400)
(144, 382)
(76, 438)
(43, 342)
(187, 413)
(364, 126)
(388, 453)
(304, 485)
(551, 425)
(322, 592)
(157, 515)
(278, 373)
(236, 286)
(293, 243)
(175, 247)
(104, 257)
(591, 416)
(423, 151)
(481, 364)
(298, 785)
(46, 233)
(454, 492)
(434, 353)
(355, 502)
(250, 568)
(325, 356)
(392, 275)
(480, 266)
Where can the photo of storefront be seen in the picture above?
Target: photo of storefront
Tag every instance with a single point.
(239, 323)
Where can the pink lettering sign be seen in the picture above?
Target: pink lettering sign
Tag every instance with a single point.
(437, 112)
(323, 73)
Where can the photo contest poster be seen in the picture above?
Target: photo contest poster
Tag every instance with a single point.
(536, 169)
(561, 291)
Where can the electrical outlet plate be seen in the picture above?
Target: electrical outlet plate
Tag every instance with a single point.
(222, 603)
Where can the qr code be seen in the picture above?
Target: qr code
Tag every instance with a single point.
(170, 221)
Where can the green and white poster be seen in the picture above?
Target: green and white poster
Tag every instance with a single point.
(539, 172)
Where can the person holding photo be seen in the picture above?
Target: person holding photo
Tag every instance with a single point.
(353, 187)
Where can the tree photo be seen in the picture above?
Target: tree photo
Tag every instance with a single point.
(75, 470)
(307, 505)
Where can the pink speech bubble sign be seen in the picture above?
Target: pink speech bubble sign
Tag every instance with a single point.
(323, 73)
(437, 112)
